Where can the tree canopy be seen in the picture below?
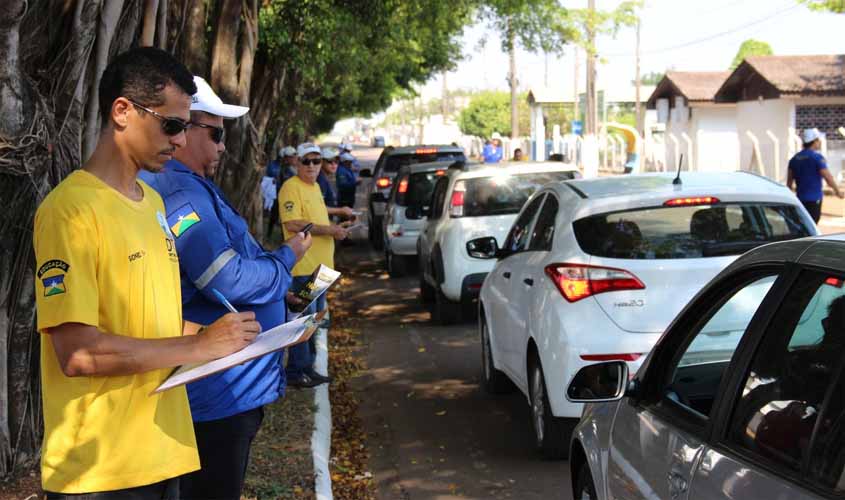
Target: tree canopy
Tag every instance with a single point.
(748, 48)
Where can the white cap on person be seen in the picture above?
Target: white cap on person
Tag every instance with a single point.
(329, 153)
(307, 148)
(346, 157)
(287, 151)
(206, 100)
(345, 146)
(810, 135)
(496, 135)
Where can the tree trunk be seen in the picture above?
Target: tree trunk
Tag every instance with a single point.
(150, 18)
(161, 25)
(188, 40)
(512, 81)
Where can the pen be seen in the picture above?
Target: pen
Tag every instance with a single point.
(222, 299)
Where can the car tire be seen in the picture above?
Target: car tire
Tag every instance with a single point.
(551, 434)
(397, 265)
(445, 311)
(493, 380)
(585, 488)
(426, 291)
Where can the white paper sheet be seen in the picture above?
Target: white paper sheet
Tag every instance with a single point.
(266, 342)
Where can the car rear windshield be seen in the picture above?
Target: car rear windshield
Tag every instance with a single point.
(394, 162)
(503, 194)
(418, 191)
(688, 232)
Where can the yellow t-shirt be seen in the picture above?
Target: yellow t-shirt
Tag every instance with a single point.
(301, 201)
(110, 262)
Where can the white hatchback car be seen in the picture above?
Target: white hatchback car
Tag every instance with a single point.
(472, 201)
(595, 270)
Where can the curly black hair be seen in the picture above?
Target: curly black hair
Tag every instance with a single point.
(141, 74)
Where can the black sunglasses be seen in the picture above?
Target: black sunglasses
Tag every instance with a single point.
(312, 161)
(170, 125)
(217, 133)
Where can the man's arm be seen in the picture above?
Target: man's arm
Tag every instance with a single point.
(790, 178)
(333, 230)
(85, 351)
(825, 173)
(342, 211)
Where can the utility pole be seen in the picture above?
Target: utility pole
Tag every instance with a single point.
(444, 99)
(637, 106)
(512, 79)
(591, 125)
(576, 97)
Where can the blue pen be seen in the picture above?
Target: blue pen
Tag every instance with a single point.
(222, 299)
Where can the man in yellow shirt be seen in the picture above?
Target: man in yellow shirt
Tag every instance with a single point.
(109, 305)
(300, 203)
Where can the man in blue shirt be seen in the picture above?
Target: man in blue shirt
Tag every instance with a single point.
(492, 151)
(347, 181)
(217, 252)
(345, 147)
(807, 169)
(281, 170)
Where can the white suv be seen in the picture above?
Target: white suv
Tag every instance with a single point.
(469, 202)
(595, 270)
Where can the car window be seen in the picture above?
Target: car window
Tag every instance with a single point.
(418, 188)
(790, 374)
(399, 189)
(396, 161)
(518, 235)
(696, 374)
(544, 229)
(504, 193)
(438, 197)
(685, 232)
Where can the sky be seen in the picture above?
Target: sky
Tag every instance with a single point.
(688, 35)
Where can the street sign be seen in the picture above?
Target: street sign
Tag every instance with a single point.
(577, 126)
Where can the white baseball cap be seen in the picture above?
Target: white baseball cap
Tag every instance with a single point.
(329, 153)
(810, 135)
(346, 157)
(307, 148)
(345, 146)
(496, 136)
(287, 151)
(206, 100)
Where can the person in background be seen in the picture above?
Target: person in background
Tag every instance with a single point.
(301, 203)
(327, 183)
(517, 154)
(284, 168)
(347, 181)
(220, 255)
(345, 147)
(492, 152)
(109, 302)
(807, 169)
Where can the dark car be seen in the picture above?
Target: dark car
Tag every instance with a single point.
(742, 397)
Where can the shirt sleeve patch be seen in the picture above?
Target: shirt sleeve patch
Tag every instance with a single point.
(182, 219)
(55, 284)
(289, 206)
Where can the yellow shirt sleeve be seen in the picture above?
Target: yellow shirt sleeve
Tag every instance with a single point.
(66, 289)
(290, 202)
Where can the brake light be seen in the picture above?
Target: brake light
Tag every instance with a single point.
(456, 204)
(383, 182)
(691, 201)
(403, 186)
(612, 357)
(440, 173)
(835, 282)
(579, 281)
(425, 151)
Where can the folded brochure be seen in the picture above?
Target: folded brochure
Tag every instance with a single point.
(321, 279)
(265, 342)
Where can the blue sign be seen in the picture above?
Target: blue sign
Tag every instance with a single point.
(576, 126)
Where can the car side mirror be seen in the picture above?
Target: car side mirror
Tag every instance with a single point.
(483, 248)
(378, 198)
(365, 173)
(598, 383)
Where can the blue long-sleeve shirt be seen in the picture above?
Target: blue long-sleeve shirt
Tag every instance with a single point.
(326, 188)
(217, 251)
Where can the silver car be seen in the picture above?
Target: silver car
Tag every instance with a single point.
(404, 217)
(743, 397)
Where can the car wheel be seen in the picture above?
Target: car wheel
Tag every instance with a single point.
(493, 380)
(397, 265)
(551, 433)
(426, 290)
(445, 311)
(585, 489)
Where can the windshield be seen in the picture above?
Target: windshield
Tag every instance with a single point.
(394, 162)
(418, 189)
(503, 194)
(688, 232)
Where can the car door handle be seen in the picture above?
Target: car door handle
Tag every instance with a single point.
(528, 281)
(507, 275)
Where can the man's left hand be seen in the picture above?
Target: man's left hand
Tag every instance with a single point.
(347, 212)
(299, 243)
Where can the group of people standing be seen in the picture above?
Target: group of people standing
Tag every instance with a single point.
(134, 251)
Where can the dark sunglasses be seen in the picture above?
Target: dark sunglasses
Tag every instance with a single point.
(217, 133)
(169, 125)
(312, 161)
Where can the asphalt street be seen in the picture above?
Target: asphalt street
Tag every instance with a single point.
(433, 432)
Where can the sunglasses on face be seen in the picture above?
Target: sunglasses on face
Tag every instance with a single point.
(312, 161)
(169, 125)
(217, 133)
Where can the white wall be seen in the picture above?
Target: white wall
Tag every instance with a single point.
(715, 136)
(776, 115)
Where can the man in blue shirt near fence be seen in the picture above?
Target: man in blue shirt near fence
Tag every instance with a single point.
(217, 252)
(807, 169)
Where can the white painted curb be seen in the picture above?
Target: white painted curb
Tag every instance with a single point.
(321, 440)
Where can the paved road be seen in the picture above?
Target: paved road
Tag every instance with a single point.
(433, 432)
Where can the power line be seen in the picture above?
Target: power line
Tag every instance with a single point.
(710, 37)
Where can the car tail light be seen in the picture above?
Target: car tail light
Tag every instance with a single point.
(691, 201)
(579, 281)
(456, 204)
(383, 182)
(835, 282)
(440, 173)
(403, 186)
(425, 151)
(612, 357)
